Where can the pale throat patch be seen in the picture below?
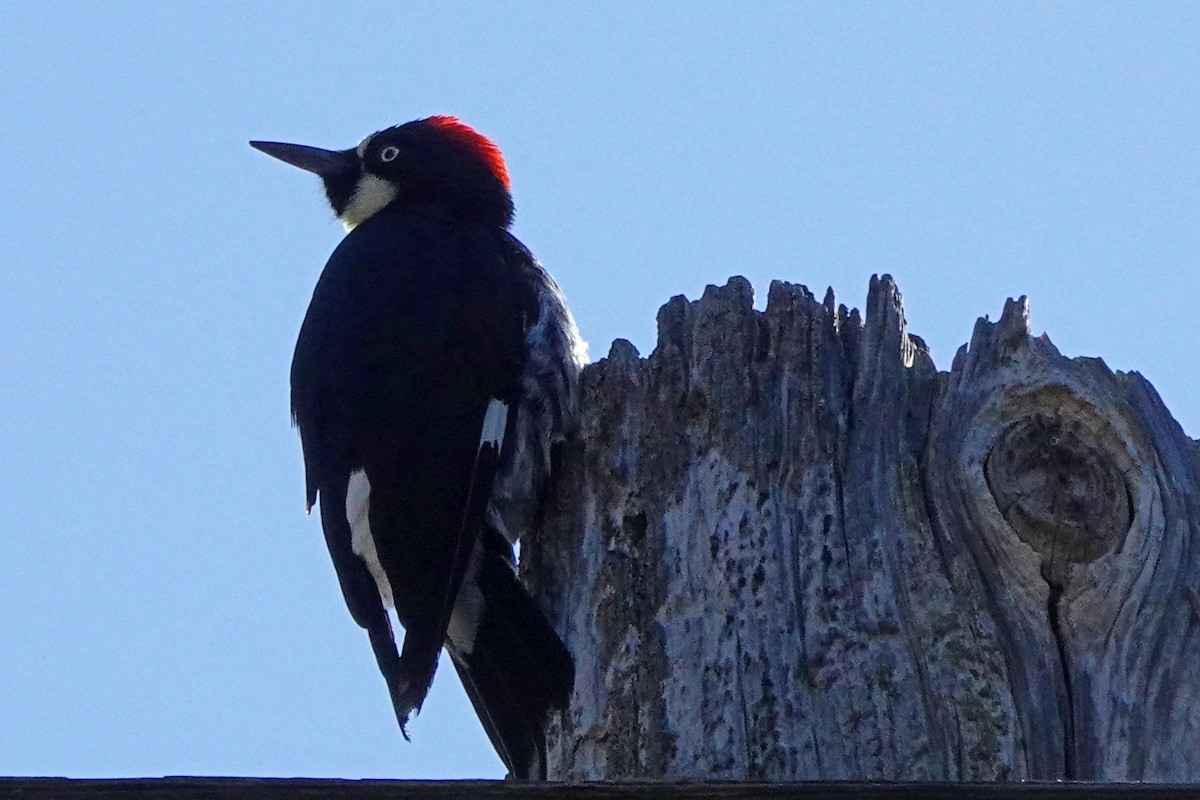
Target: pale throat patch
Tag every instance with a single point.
(370, 195)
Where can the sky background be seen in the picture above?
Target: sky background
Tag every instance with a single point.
(165, 605)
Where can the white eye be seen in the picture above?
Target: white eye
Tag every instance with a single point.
(389, 153)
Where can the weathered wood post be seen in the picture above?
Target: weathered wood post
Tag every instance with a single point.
(786, 547)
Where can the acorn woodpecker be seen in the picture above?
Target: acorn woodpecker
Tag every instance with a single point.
(436, 369)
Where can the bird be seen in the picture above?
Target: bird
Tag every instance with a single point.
(435, 376)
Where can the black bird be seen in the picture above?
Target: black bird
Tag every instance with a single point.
(435, 371)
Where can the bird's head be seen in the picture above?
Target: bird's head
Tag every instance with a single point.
(437, 161)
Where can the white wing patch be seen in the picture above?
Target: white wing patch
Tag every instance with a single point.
(358, 506)
(494, 423)
(468, 608)
(370, 195)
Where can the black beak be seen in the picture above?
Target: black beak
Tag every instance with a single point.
(312, 159)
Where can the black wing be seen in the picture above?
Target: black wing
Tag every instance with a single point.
(415, 328)
(511, 661)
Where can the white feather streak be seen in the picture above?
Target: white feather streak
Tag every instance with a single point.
(494, 423)
(468, 608)
(362, 542)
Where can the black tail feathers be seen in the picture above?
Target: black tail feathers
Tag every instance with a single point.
(516, 670)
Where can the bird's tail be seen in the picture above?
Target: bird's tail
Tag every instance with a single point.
(515, 669)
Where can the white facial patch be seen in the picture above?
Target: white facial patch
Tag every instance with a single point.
(358, 506)
(370, 195)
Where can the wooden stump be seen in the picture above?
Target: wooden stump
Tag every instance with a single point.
(786, 547)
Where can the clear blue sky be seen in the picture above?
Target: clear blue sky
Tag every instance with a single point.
(166, 607)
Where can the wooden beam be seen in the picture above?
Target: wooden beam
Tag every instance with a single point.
(321, 789)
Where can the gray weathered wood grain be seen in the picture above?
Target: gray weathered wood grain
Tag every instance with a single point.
(785, 546)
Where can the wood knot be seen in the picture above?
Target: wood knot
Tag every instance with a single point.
(1059, 488)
